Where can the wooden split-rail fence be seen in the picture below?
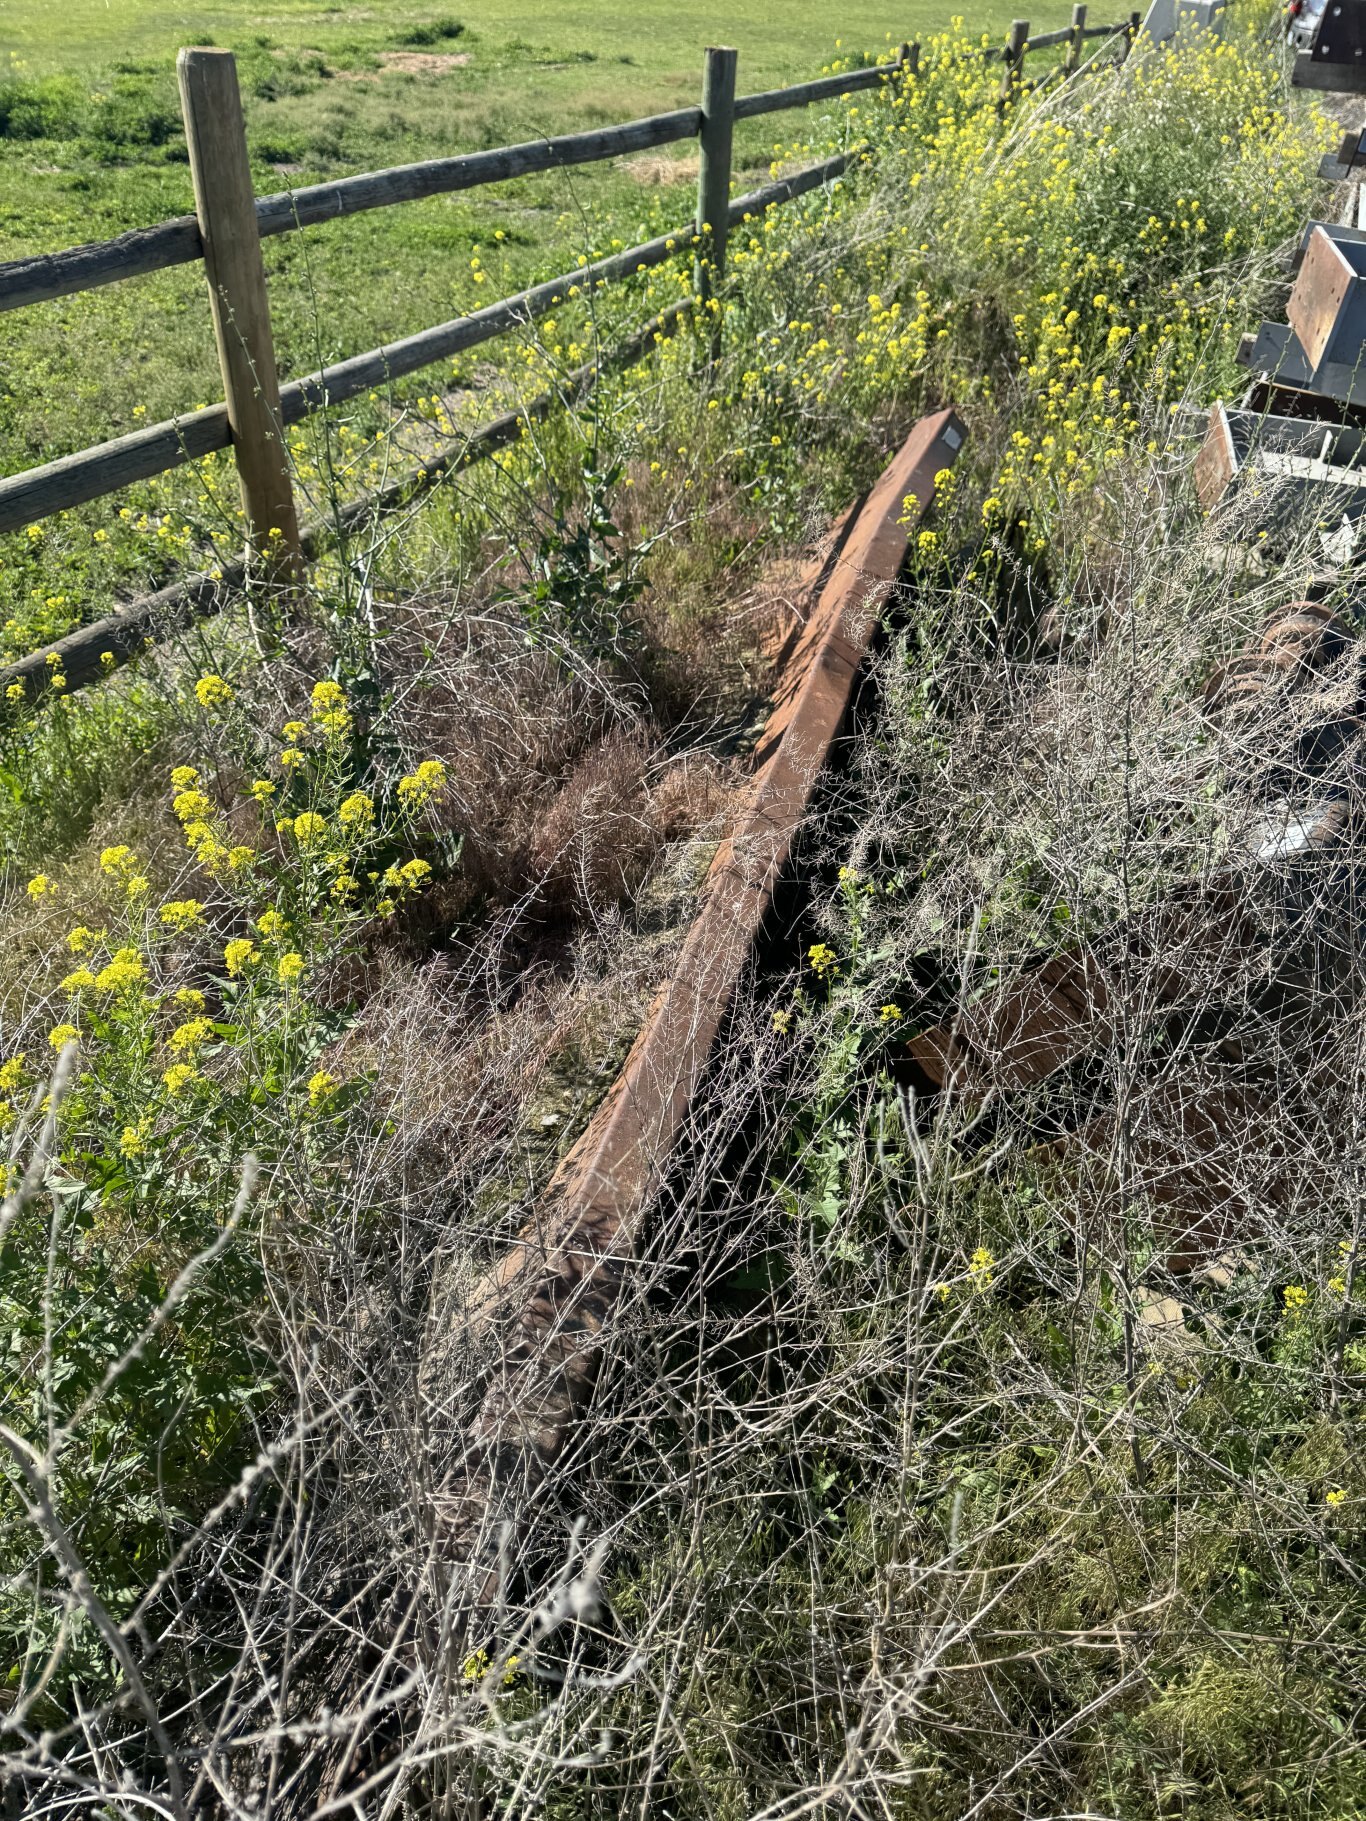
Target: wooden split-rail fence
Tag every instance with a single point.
(225, 233)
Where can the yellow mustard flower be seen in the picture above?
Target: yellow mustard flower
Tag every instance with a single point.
(182, 914)
(118, 862)
(322, 1087)
(192, 1035)
(239, 954)
(357, 811)
(212, 691)
(192, 806)
(124, 971)
(423, 786)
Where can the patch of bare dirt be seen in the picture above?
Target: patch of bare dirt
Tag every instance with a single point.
(424, 63)
(659, 168)
(408, 63)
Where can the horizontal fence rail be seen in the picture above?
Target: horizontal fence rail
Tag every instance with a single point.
(76, 479)
(83, 656)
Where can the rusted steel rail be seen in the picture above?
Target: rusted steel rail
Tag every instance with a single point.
(548, 1301)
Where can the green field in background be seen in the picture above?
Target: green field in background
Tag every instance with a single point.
(90, 145)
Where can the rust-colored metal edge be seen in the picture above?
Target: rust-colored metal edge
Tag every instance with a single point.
(547, 1300)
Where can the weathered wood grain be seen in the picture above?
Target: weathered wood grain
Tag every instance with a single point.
(799, 184)
(1013, 57)
(44, 276)
(73, 479)
(170, 243)
(321, 202)
(712, 223)
(802, 94)
(1076, 37)
(362, 372)
(220, 168)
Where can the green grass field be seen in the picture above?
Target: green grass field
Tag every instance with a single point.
(90, 145)
(658, 40)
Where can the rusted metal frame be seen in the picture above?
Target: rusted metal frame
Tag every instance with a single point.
(1348, 160)
(547, 1302)
(1298, 461)
(1274, 351)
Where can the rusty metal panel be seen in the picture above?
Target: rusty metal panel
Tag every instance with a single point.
(1327, 307)
(1299, 465)
(1217, 463)
(1335, 230)
(1274, 350)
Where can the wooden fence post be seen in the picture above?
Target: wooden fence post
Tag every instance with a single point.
(226, 208)
(910, 60)
(1016, 40)
(1131, 32)
(1075, 42)
(713, 180)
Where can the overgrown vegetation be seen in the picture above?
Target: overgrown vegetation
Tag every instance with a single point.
(933, 1470)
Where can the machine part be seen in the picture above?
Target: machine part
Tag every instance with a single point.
(1167, 17)
(1302, 22)
(1294, 642)
(1305, 471)
(1336, 58)
(1335, 230)
(1017, 1035)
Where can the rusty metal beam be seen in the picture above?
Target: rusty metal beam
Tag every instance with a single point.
(546, 1303)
